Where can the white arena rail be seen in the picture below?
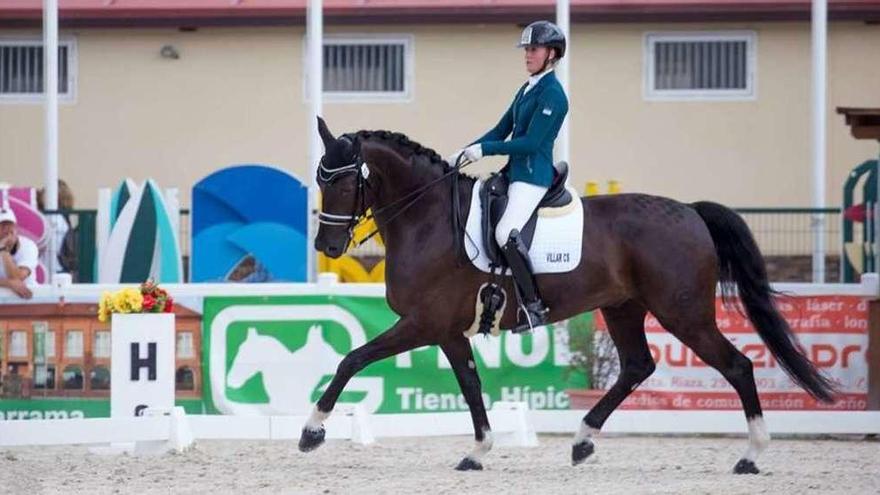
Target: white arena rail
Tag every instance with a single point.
(154, 432)
(513, 426)
(716, 422)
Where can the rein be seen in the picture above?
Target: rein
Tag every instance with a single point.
(360, 168)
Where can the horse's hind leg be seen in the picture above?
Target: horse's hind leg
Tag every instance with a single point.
(626, 324)
(403, 336)
(461, 357)
(715, 350)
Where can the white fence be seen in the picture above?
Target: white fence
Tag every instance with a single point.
(513, 426)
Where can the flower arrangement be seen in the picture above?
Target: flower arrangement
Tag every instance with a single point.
(149, 298)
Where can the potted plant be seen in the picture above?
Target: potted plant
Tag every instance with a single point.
(593, 357)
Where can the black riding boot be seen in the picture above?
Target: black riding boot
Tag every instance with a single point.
(532, 312)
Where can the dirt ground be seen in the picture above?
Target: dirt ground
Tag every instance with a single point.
(621, 465)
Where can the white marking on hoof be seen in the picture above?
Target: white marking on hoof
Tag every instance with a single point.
(759, 439)
(316, 419)
(585, 433)
(481, 448)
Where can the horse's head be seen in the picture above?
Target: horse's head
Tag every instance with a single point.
(247, 362)
(341, 180)
(398, 169)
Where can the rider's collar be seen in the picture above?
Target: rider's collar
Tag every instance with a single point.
(533, 80)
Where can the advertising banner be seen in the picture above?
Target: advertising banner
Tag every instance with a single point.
(833, 331)
(275, 355)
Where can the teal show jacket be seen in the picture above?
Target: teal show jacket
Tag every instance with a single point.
(534, 118)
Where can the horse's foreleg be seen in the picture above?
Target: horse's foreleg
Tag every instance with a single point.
(461, 357)
(403, 336)
(626, 325)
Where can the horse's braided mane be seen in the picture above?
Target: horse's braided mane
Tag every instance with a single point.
(402, 141)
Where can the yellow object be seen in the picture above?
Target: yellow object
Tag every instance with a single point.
(592, 188)
(126, 300)
(377, 274)
(350, 270)
(613, 187)
(363, 229)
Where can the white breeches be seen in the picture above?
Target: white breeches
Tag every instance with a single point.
(522, 199)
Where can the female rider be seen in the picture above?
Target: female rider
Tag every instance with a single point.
(534, 119)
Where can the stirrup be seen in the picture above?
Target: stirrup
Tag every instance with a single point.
(536, 316)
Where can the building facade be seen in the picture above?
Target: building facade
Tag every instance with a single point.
(667, 98)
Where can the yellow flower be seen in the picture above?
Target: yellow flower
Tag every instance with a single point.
(105, 307)
(127, 301)
(135, 300)
(119, 302)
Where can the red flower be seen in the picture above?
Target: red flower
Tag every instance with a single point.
(149, 302)
(169, 305)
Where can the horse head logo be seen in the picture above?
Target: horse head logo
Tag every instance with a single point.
(290, 377)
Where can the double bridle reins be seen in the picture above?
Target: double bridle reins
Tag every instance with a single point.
(358, 215)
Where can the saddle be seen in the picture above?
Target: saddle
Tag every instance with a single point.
(493, 200)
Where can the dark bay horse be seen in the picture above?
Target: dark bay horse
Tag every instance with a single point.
(640, 253)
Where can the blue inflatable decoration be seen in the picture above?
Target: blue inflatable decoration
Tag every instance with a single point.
(249, 223)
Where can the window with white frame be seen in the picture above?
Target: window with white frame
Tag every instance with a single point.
(185, 345)
(21, 69)
(18, 344)
(684, 66)
(101, 348)
(50, 344)
(368, 68)
(73, 345)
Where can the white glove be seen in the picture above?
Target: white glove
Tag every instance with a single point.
(453, 158)
(473, 152)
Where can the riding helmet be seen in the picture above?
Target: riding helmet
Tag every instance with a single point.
(544, 33)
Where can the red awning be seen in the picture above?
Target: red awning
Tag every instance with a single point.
(478, 10)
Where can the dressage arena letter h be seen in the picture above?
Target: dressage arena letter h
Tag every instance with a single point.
(149, 362)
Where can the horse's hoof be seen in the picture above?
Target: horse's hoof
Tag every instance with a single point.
(468, 464)
(580, 452)
(311, 439)
(745, 466)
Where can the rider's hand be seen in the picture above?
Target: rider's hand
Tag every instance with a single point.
(453, 158)
(473, 152)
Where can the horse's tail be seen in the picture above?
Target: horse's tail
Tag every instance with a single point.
(741, 266)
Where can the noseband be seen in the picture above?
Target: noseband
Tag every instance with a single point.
(328, 175)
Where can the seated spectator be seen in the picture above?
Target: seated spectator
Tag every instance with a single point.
(18, 256)
(63, 260)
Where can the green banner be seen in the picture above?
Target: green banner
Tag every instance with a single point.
(59, 408)
(275, 355)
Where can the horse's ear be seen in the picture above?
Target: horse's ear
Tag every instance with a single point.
(325, 133)
(314, 333)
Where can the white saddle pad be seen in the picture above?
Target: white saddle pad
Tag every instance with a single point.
(556, 247)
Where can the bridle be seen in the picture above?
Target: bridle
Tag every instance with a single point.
(328, 176)
(360, 168)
